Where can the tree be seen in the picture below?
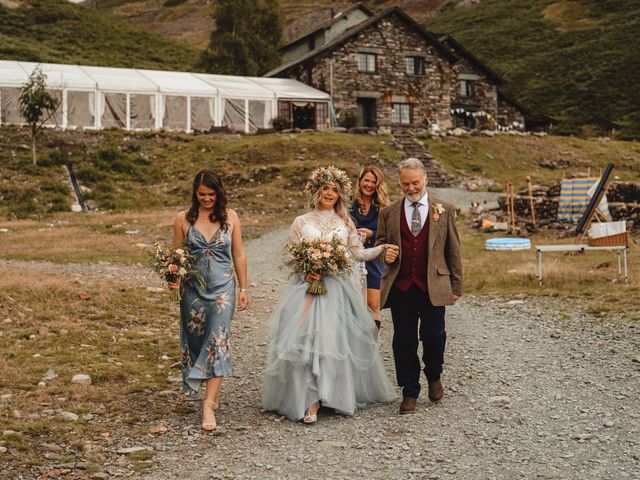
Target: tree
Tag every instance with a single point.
(246, 38)
(37, 105)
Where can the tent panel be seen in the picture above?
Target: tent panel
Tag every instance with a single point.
(259, 115)
(142, 111)
(120, 80)
(81, 109)
(234, 114)
(11, 74)
(62, 76)
(114, 110)
(179, 83)
(56, 118)
(10, 106)
(289, 88)
(202, 113)
(236, 87)
(175, 112)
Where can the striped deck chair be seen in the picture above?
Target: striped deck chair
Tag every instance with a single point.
(574, 198)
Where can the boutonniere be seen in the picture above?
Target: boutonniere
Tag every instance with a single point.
(438, 210)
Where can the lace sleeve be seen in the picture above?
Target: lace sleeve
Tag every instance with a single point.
(357, 250)
(295, 235)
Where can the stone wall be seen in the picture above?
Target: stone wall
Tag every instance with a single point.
(391, 39)
(483, 96)
(509, 115)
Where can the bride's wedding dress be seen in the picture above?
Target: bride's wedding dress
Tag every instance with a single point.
(323, 346)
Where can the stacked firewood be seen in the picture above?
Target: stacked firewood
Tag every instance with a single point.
(545, 201)
(624, 202)
(623, 199)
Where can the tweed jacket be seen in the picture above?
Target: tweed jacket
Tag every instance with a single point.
(444, 264)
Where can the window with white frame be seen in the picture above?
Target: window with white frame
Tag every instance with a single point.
(414, 65)
(367, 62)
(401, 113)
(466, 88)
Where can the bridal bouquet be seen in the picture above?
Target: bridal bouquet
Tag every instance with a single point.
(174, 267)
(320, 257)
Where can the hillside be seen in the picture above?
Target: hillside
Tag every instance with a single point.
(576, 61)
(264, 174)
(189, 21)
(57, 31)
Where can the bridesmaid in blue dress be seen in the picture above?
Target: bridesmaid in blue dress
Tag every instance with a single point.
(211, 232)
(370, 197)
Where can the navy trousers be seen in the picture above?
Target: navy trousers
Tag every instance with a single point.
(416, 319)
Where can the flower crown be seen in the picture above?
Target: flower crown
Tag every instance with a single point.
(323, 175)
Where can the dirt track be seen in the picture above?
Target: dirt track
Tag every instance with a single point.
(534, 389)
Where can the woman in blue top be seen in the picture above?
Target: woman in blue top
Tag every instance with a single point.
(370, 197)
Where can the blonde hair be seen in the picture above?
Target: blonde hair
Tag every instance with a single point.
(380, 197)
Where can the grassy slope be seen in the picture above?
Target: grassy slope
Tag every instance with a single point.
(143, 171)
(513, 158)
(56, 31)
(574, 60)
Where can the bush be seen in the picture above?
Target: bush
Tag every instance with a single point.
(88, 173)
(56, 158)
(54, 186)
(280, 123)
(22, 200)
(348, 119)
(58, 203)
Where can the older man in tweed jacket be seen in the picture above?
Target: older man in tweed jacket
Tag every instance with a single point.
(422, 276)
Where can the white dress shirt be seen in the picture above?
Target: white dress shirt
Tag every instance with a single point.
(423, 208)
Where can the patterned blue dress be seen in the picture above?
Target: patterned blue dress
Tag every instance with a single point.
(205, 312)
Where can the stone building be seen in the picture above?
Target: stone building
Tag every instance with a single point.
(388, 71)
(474, 89)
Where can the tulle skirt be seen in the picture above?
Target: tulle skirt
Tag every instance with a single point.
(323, 349)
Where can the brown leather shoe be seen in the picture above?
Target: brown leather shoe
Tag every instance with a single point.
(436, 391)
(408, 405)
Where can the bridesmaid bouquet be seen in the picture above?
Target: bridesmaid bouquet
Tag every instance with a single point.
(320, 257)
(175, 266)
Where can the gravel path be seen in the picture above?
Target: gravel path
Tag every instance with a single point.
(534, 389)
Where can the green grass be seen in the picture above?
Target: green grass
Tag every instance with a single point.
(57, 31)
(576, 61)
(264, 175)
(514, 158)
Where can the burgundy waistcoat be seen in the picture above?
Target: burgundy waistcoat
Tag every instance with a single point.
(415, 253)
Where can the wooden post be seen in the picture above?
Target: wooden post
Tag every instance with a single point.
(513, 209)
(510, 207)
(533, 207)
(508, 198)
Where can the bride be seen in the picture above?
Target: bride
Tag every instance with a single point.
(323, 349)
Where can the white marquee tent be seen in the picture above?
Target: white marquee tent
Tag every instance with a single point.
(103, 97)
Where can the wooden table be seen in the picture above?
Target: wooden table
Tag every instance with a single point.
(620, 250)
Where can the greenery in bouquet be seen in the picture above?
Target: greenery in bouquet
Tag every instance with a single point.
(319, 257)
(175, 266)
